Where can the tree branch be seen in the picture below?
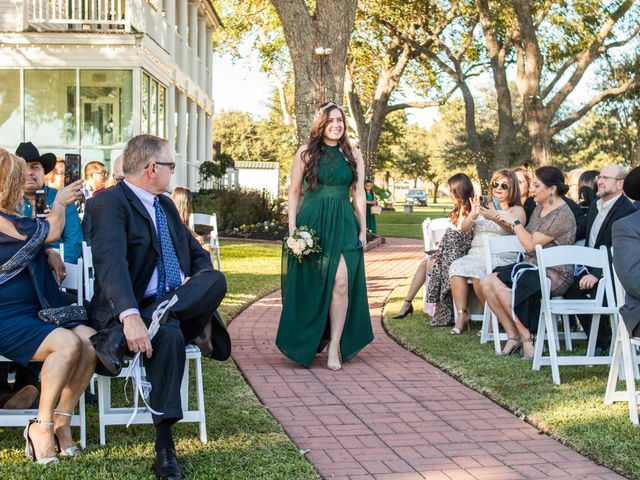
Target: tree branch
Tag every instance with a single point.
(425, 104)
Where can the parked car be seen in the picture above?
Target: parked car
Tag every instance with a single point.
(415, 196)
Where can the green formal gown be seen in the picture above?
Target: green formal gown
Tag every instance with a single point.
(371, 219)
(307, 286)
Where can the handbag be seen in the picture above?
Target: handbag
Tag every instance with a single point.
(110, 346)
(376, 209)
(62, 315)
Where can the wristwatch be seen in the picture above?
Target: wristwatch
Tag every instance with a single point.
(514, 223)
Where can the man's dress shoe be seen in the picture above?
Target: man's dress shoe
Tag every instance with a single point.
(166, 466)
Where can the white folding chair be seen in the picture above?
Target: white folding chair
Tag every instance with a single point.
(494, 246)
(433, 231)
(73, 279)
(209, 221)
(624, 355)
(553, 309)
(110, 415)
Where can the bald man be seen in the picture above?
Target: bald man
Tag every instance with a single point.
(610, 205)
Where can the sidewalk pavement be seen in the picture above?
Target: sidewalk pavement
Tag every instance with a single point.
(389, 414)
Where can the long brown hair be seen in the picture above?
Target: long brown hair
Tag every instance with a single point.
(12, 170)
(182, 198)
(311, 156)
(461, 189)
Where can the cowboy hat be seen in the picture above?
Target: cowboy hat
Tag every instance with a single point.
(30, 153)
(632, 184)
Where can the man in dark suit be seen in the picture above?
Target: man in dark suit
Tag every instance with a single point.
(611, 205)
(143, 254)
(626, 256)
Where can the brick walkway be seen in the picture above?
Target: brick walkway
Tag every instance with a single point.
(389, 414)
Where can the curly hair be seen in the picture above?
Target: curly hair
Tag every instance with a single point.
(12, 169)
(461, 190)
(311, 156)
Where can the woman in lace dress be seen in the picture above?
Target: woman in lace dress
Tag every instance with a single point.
(484, 223)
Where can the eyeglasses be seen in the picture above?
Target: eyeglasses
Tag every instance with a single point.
(171, 165)
(605, 177)
(502, 185)
(103, 173)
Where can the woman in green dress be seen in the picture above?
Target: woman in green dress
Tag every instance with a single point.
(371, 200)
(324, 297)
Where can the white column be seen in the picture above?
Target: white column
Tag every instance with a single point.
(170, 12)
(171, 119)
(137, 100)
(192, 148)
(209, 64)
(202, 49)
(201, 136)
(193, 41)
(183, 29)
(181, 142)
(208, 137)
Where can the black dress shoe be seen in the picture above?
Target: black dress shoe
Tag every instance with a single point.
(166, 466)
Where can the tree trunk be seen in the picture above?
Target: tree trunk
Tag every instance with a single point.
(319, 74)
(436, 184)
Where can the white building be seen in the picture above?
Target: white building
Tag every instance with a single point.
(85, 76)
(259, 176)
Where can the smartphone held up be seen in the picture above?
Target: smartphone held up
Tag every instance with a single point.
(72, 163)
(41, 203)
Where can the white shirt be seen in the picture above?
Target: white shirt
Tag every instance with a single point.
(603, 210)
(147, 200)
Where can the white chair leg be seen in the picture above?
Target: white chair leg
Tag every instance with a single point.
(104, 404)
(553, 354)
(218, 256)
(496, 333)
(615, 370)
(593, 335)
(630, 381)
(486, 318)
(539, 345)
(83, 421)
(201, 411)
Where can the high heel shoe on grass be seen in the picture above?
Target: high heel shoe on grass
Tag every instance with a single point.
(71, 451)
(515, 347)
(464, 320)
(408, 312)
(30, 451)
(531, 340)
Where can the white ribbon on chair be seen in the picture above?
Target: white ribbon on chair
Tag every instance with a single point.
(142, 388)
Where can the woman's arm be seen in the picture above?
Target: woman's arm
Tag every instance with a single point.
(515, 212)
(527, 240)
(57, 213)
(360, 197)
(470, 220)
(297, 173)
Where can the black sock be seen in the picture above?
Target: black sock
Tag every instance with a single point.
(164, 437)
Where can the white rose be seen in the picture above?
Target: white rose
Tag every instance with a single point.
(291, 242)
(302, 244)
(305, 235)
(296, 250)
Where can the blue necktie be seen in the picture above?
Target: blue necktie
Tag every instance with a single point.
(168, 264)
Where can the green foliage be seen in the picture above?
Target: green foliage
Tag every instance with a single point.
(260, 231)
(217, 169)
(240, 206)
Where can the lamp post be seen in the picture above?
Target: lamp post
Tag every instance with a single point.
(322, 52)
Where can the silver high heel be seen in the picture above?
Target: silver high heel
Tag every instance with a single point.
(71, 451)
(30, 451)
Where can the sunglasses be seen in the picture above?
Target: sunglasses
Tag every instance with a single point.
(503, 186)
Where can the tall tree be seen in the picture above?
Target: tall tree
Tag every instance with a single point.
(589, 28)
(317, 34)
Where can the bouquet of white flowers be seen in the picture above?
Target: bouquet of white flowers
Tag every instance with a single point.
(302, 242)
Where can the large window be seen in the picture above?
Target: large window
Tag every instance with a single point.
(153, 106)
(106, 106)
(10, 117)
(50, 106)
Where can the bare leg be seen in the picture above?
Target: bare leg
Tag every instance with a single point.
(75, 386)
(60, 352)
(460, 294)
(338, 314)
(416, 283)
(478, 290)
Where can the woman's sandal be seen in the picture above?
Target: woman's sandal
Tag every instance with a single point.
(515, 348)
(30, 451)
(466, 322)
(71, 451)
(530, 340)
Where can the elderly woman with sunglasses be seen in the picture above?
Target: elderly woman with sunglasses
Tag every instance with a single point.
(504, 194)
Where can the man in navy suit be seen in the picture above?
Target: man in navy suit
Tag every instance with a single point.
(626, 256)
(611, 205)
(143, 254)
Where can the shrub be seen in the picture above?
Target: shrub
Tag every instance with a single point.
(239, 206)
(261, 231)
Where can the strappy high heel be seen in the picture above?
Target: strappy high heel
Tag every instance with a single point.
(530, 340)
(71, 451)
(462, 314)
(30, 451)
(515, 348)
(408, 312)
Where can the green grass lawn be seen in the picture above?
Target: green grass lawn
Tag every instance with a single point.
(245, 442)
(573, 412)
(409, 225)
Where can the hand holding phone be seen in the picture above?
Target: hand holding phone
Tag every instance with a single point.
(496, 203)
(41, 203)
(484, 200)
